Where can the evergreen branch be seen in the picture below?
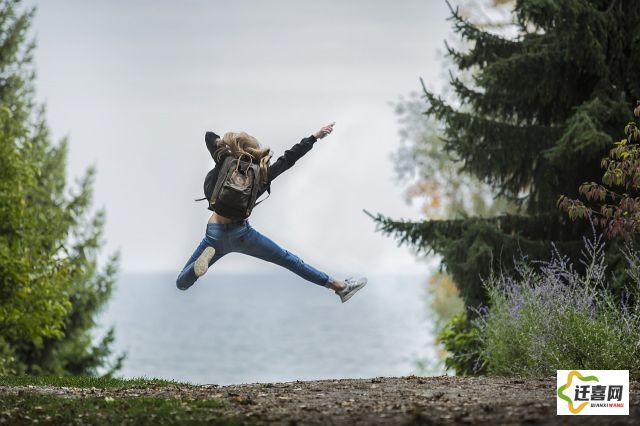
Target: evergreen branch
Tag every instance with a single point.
(467, 245)
(610, 8)
(487, 46)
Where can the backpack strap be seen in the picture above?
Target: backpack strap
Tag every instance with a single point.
(225, 168)
(268, 194)
(256, 184)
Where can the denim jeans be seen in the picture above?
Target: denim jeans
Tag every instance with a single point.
(242, 238)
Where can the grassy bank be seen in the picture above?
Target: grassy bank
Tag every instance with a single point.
(22, 406)
(83, 381)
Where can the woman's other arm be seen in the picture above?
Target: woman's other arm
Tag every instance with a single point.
(210, 139)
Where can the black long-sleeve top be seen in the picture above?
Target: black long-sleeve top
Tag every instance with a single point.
(283, 163)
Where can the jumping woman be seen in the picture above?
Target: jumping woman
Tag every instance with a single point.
(242, 173)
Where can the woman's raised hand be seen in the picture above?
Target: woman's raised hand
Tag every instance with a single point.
(324, 131)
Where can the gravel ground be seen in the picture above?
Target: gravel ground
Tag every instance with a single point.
(404, 400)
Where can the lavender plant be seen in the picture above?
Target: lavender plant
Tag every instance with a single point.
(548, 316)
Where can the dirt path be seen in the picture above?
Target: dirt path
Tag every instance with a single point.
(404, 400)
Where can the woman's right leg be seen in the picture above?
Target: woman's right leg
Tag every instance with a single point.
(187, 276)
(257, 245)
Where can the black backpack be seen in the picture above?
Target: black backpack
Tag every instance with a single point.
(234, 193)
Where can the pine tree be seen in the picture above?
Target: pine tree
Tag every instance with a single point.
(50, 285)
(542, 110)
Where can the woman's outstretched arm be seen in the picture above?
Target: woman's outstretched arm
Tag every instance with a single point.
(294, 153)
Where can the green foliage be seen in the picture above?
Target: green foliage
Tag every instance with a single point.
(533, 123)
(618, 212)
(468, 245)
(7, 358)
(460, 338)
(549, 317)
(50, 285)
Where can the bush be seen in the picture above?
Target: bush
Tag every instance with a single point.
(460, 339)
(550, 317)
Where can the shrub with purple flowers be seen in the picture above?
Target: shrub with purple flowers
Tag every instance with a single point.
(549, 317)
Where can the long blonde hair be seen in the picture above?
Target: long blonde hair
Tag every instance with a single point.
(239, 143)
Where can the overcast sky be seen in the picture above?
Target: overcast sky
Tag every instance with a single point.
(135, 85)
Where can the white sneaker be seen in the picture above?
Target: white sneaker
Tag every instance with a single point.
(202, 262)
(352, 287)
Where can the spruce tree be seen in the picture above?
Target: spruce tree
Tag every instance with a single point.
(541, 111)
(50, 286)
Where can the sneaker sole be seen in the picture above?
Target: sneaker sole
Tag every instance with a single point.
(348, 296)
(202, 262)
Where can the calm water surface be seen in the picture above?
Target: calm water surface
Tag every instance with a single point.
(267, 328)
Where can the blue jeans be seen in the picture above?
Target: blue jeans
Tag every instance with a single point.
(242, 238)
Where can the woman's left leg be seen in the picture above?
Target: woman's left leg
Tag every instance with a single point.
(188, 276)
(257, 245)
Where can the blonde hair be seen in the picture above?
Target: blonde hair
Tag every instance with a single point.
(241, 143)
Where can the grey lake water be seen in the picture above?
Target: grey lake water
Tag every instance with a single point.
(231, 329)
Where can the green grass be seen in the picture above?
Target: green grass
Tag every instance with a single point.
(24, 409)
(83, 381)
(28, 408)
